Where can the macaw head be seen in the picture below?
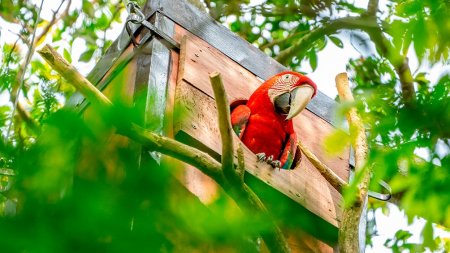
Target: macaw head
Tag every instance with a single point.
(290, 92)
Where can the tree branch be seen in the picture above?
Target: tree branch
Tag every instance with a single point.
(398, 61)
(22, 112)
(53, 21)
(15, 90)
(277, 243)
(241, 193)
(367, 22)
(26, 117)
(352, 226)
(58, 63)
(332, 27)
(372, 7)
(337, 182)
(224, 121)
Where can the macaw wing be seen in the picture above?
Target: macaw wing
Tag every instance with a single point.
(239, 119)
(291, 154)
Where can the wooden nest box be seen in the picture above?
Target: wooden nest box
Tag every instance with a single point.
(173, 70)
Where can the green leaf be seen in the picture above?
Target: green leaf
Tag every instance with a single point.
(87, 55)
(103, 22)
(88, 8)
(313, 59)
(336, 41)
(336, 142)
(409, 8)
(67, 55)
(421, 78)
(420, 38)
(428, 238)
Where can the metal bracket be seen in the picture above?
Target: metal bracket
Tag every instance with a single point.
(382, 196)
(137, 17)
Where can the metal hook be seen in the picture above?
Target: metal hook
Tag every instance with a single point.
(382, 196)
(135, 14)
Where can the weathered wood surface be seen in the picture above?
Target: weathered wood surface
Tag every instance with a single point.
(123, 89)
(194, 94)
(301, 242)
(239, 50)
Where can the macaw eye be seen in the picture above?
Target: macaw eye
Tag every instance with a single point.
(286, 77)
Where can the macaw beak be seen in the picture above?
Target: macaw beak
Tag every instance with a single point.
(300, 97)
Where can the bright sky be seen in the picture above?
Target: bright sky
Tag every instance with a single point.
(331, 61)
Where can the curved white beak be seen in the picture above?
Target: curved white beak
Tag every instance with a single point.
(301, 97)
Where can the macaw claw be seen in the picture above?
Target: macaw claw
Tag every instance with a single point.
(276, 164)
(261, 157)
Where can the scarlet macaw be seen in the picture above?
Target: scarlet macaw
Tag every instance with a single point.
(264, 122)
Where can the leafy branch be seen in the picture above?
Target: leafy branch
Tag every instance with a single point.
(224, 174)
(21, 110)
(368, 23)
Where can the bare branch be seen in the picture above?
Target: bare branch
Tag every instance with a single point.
(224, 121)
(372, 7)
(351, 229)
(326, 172)
(277, 243)
(58, 63)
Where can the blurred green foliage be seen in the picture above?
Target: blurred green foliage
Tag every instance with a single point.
(78, 187)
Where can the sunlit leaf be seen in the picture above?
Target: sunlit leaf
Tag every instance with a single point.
(336, 41)
(420, 37)
(87, 55)
(313, 60)
(336, 142)
(67, 55)
(88, 8)
(428, 236)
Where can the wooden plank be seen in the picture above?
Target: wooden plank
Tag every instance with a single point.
(301, 242)
(117, 52)
(239, 50)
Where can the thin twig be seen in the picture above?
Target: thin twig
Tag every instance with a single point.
(53, 21)
(22, 76)
(332, 178)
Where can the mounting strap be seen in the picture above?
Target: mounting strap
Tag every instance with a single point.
(135, 16)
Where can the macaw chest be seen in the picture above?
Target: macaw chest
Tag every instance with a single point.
(265, 134)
